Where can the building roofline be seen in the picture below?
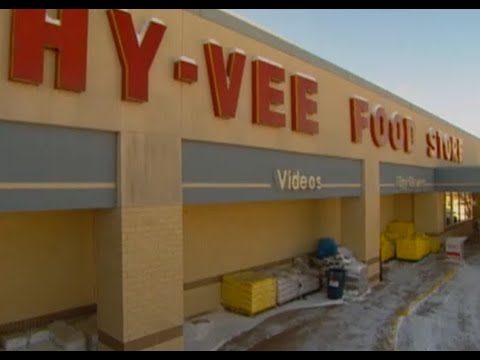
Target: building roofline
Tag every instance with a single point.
(241, 25)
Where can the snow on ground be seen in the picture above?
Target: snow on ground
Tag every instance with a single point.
(364, 325)
(450, 319)
(211, 331)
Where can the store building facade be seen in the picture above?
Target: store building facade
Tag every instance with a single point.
(147, 153)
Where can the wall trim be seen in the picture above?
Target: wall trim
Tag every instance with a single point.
(374, 277)
(142, 343)
(216, 279)
(39, 321)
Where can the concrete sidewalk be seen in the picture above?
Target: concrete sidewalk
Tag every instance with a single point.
(366, 325)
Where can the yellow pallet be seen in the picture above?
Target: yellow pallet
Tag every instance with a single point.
(399, 229)
(387, 248)
(413, 248)
(248, 293)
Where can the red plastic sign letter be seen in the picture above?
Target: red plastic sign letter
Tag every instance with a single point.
(33, 31)
(302, 106)
(224, 83)
(263, 73)
(136, 52)
(358, 118)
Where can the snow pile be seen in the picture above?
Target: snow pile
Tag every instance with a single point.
(449, 320)
(67, 337)
(88, 327)
(37, 336)
(14, 341)
(80, 335)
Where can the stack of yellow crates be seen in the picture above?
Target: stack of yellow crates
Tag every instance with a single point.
(248, 293)
(399, 229)
(407, 244)
(436, 245)
(413, 248)
(388, 242)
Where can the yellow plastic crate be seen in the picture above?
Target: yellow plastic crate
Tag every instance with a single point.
(248, 293)
(387, 248)
(399, 229)
(413, 248)
(436, 245)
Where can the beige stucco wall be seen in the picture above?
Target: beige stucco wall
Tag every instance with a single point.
(225, 238)
(387, 210)
(398, 207)
(404, 208)
(429, 212)
(176, 108)
(327, 220)
(219, 239)
(47, 263)
(352, 224)
(202, 299)
(99, 107)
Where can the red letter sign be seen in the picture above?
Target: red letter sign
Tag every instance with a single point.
(136, 52)
(447, 147)
(264, 72)
(460, 150)
(224, 83)
(33, 31)
(301, 105)
(409, 133)
(358, 118)
(379, 126)
(431, 143)
(395, 131)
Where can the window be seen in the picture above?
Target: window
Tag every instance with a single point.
(458, 207)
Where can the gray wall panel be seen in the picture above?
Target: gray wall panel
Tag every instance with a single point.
(390, 174)
(220, 164)
(193, 196)
(35, 153)
(458, 188)
(457, 175)
(207, 162)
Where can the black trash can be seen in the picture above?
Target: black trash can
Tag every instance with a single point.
(335, 283)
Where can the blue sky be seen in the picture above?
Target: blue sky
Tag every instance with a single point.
(429, 57)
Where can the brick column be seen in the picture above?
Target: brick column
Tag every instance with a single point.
(361, 221)
(140, 249)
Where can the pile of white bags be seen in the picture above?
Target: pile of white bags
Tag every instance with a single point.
(356, 281)
(294, 281)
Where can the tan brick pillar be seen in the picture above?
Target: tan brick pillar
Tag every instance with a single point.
(361, 221)
(140, 249)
